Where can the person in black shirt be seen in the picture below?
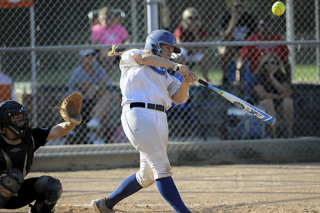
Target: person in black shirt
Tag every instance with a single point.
(234, 25)
(272, 89)
(18, 142)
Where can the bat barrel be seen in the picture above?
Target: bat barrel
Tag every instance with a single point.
(249, 108)
(272, 121)
(241, 103)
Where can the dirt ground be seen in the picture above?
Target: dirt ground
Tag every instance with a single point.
(223, 189)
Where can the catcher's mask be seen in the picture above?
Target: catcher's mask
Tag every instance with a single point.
(8, 110)
(158, 37)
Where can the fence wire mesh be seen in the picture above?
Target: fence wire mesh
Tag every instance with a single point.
(40, 79)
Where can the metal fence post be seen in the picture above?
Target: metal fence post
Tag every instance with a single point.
(317, 35)
(152, 15)
(290, 34)
(33, 66)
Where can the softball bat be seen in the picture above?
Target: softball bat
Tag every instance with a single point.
(241, 103)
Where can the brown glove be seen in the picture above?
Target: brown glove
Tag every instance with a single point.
(71, 107)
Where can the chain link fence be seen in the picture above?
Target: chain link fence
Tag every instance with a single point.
(51, 48)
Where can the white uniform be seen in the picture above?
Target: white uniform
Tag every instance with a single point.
(147, 129)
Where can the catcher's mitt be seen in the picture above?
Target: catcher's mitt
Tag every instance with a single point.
(70, 108)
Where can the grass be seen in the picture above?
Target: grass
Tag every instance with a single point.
(306, 73)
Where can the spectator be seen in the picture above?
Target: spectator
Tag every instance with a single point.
(119, 16)
(93, 18)
(272, 89)
(108, 31)
(254, 54)
(91, 80)
(191, 29)
(6, 88)
(234, 25)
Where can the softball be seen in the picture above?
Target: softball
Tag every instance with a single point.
(278, 8)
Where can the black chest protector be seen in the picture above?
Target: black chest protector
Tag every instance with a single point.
(18, 156)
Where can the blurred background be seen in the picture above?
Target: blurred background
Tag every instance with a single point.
(45, 46)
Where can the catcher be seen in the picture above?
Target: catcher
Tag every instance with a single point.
(18, 142)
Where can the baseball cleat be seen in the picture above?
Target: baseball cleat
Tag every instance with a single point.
(99, 205)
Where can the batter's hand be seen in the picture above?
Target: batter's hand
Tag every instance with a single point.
(183, 69)
(189, 77)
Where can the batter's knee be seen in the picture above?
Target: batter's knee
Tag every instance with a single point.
(147, 183)
(161, 166)
(145, 179)
(154, 166)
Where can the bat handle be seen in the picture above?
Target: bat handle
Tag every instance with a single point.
(202, 82)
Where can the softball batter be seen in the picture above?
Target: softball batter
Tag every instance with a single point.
(147, 92)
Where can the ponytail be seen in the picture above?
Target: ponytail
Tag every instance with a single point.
(114, 51)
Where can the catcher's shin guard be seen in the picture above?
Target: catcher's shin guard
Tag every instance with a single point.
(33, 209)
(49, 191)
(3, 200)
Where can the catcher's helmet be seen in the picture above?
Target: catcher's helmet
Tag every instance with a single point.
(8, 110)
(158, 37)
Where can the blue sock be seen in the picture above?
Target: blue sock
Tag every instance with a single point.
(126, 188)
(169, 191)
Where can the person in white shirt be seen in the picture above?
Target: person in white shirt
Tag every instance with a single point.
(148, 90)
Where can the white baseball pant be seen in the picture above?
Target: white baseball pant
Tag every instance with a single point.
(147, 130)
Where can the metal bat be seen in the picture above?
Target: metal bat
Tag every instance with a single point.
(241, 103)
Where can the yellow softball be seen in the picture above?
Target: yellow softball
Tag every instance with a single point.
(278, 8)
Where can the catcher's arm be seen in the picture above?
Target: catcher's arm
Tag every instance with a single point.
(60, 130)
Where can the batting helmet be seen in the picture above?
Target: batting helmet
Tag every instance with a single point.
(8, 110)
(158, 37)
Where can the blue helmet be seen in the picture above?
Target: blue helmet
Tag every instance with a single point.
(158, 37)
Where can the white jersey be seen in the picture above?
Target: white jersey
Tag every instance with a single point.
(143, 83)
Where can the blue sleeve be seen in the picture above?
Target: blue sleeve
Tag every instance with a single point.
(40, 136)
